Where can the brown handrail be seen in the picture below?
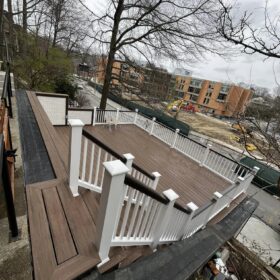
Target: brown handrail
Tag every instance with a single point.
(140, 169)
(103, 146)
(115, 154)
(139, 186)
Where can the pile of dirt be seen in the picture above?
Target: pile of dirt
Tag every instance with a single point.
(210, 127)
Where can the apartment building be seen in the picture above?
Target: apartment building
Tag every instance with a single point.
(217, 98)
(147, 80)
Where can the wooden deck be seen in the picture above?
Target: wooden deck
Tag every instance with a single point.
(62, 228)
(183, 175)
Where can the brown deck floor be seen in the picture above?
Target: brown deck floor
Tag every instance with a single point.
(62, 228)
(183, 175)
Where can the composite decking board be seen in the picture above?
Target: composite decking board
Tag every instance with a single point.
(36, 162)
(52, 143)
(79, 221)
(91, 200)
(41, 241)
(183, 175)
(63, 243)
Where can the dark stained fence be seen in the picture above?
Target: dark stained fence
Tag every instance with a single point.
(267, 178)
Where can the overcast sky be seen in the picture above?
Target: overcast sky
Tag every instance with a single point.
(250, 69)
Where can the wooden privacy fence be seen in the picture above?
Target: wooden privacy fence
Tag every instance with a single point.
(7, 165)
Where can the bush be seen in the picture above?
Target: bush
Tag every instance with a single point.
(43, 68)
(64, 85)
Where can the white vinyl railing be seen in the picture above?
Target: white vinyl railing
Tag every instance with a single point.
(87, 157)
(134, 214)
(202, 154)
(131, 211)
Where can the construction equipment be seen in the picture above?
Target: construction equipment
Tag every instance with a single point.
(175, 105)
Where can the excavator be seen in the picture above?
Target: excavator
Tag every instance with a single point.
(177, 105)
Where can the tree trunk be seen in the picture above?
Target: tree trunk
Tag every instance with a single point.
(1, 30)
(11, 33)
(24, 16)
(111, 55)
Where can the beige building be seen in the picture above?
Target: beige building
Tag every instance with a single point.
(212, 97)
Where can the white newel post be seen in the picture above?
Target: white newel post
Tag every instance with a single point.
(94, 116)
(163, 217)
(175, 137)
(117, 116)
(129, 160)
(216, 196)
(76, 128)
(192, 207)
(206, 153)
(152, 126)
(135, 116)
(155, 181)
(213, 208)
(239, 184)
(111, 201)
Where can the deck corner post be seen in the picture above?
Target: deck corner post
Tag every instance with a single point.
(94, 116)
(205, 156)
(152, 126)
(117, 116)
(157, 176)
(129, 161)
(111, 201)
(135, 116)
(255, 170)
(214, 210)
(192, 207)
(175, 137)
(76, 128)
(163, 218)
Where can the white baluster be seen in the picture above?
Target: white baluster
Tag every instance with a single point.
(135, 117)
(152, 127)
(75, 154)
(117, 116)
(94, 116)
(175, 137)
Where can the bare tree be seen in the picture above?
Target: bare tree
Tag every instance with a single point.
(154, 29)
(253, 39)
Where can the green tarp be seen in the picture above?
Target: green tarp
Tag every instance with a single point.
(150, 113)
(267, 177)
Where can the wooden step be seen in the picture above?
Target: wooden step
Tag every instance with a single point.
(123, 256)
(135, 254)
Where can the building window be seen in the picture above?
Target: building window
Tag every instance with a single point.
(206, 101)
(193, 97)
(180, 94)
(225, 88)
(209, 93)
(194, 90)
(222, 97)
(196, 83)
